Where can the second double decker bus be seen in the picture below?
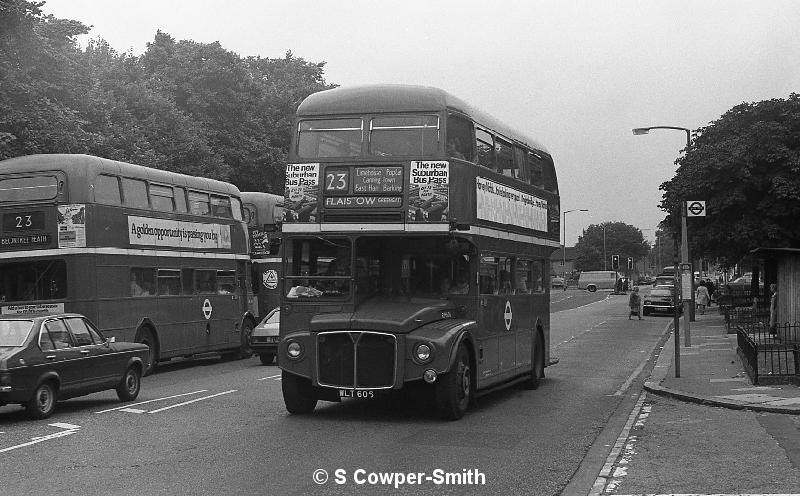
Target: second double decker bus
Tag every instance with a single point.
(263, 213)
(148, 255)
(417, 240)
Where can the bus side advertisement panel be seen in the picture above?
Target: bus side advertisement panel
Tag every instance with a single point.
(158, 233)
(506, 205)
(429, 191)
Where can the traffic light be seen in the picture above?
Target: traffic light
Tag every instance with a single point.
(615, 262)
(630, 263)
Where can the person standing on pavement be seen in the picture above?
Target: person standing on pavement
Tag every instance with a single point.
(635, 302)
(712, 289)
(773, 308)
(701, 297)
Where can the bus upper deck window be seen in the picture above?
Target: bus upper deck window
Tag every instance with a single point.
(330, 138)
(504, 158)
(484, 143)
(459, 138)
(405, 135)
(221, 206)
(199, 203)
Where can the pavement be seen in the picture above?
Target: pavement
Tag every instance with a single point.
(711, 372)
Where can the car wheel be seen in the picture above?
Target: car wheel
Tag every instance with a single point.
(130, 385)
(245, 351)
(267, 358)
(147, 337)
(537, 374)
(298, 395)
(592, 289)
(454, 389)
(43, 402)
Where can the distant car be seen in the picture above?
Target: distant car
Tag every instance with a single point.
(264, 339)
(659, 300)
(49, 358)
(557, 282)
(664, 281)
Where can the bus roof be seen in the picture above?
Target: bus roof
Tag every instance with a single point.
(89, 166)
(391, 98)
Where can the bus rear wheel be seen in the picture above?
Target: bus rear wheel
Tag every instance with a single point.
(537, 373)
(245, 351)
(147, 337)
(298, 395)
(454, 390)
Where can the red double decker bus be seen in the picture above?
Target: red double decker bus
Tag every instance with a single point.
(148, 255)
(417, 240)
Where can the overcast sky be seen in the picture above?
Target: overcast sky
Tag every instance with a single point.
(575, 75)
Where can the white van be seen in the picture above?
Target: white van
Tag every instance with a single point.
(592, 280)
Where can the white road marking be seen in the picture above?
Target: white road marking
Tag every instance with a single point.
(605, 473)
(63, 425)
(270, 377)
(66, 432)
(150, 401)
(133, 410)
(192, 401)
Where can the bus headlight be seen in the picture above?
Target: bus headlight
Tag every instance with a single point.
(423, 352)
(294, 349)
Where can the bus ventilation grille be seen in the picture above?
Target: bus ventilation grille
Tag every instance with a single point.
(361, 217)
(356, 359)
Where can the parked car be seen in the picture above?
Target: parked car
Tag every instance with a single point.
(49, 358)
(659, 300)
(264, 339)
(557, 282)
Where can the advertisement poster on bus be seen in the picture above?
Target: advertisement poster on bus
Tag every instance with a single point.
(32, 309)
(259, 242)
(506, 205)
(429, 191)
(302, 186)
(72, 226)
(167, 233)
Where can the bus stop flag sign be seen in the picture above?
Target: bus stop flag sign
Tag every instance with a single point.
(695, 208)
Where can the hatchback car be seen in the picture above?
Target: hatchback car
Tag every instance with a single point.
(659, 300)
(48, 358)
(264, 339)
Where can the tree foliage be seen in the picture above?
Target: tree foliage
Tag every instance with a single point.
(618, 238)
(183, 106)
(746, 166)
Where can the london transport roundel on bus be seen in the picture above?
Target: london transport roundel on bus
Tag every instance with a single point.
(207, 308)
(270, 279)
(507, 315)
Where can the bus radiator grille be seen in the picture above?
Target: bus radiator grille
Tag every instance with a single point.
(356, 359)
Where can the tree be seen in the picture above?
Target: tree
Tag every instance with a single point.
(620, 239)
(746, 166)
(40, 86)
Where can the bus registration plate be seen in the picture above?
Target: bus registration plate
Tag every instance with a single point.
(356, 393)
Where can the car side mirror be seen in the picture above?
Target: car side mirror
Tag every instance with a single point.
(112, 339)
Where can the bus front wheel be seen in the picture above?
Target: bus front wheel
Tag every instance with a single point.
(454, 389)
(245, 351)
(298, 395)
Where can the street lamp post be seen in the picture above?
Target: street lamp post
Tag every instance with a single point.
(687, 304)
(564, 246)
(605, 265)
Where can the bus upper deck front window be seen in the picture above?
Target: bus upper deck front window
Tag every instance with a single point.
(15, 189)
(408, 135)
(329, 138)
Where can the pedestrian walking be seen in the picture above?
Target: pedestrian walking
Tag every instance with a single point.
(635, 302)
(701, 298)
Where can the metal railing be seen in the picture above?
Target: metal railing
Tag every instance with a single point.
(770, 356)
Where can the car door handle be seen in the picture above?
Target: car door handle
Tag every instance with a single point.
(85, 352)
(50, 357)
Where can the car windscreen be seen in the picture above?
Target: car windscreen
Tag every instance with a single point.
(14, 332)
(273, 317)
